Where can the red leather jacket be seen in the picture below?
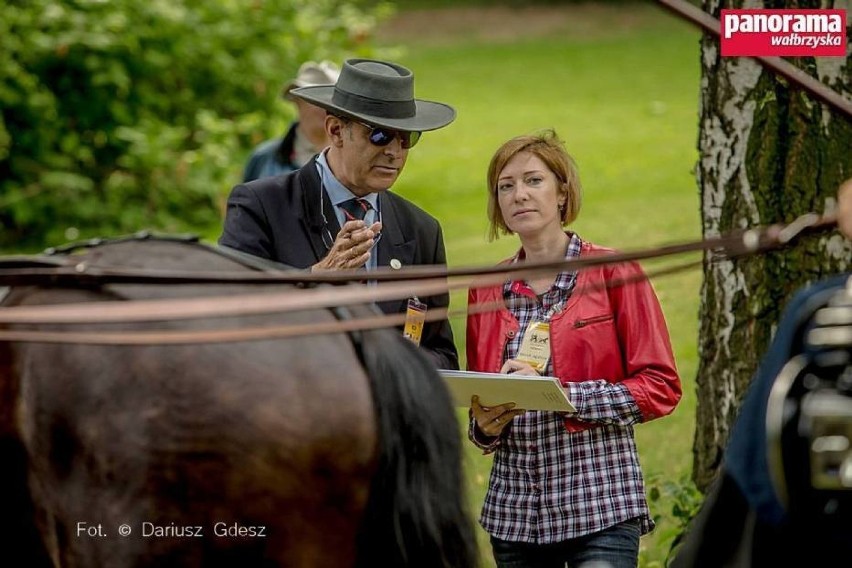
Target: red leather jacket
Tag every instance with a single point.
(617, 334)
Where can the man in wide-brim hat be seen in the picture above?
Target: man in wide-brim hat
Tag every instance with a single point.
(336, 212)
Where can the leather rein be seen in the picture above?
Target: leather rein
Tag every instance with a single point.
(389, 285)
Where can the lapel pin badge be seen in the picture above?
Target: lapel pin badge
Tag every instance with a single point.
(395, 264)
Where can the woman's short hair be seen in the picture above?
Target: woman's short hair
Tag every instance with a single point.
(547, 146)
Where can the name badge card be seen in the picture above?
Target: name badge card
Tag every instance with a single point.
(535, 347)
(415, 317)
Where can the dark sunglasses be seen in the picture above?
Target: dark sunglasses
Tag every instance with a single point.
(380, 136)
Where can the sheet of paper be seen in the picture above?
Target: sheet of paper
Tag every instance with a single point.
(529, 393)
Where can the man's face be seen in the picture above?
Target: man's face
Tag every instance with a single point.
(359, 164)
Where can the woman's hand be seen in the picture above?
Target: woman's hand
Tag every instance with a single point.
(516, 367)
(492, 419)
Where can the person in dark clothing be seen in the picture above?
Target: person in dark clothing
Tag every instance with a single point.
(305, 136)
(337, 211)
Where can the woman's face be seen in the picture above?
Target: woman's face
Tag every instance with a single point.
(529, 196)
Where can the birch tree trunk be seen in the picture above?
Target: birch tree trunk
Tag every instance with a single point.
(769, 152)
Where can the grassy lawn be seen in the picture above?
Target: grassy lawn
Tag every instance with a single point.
(620, 84)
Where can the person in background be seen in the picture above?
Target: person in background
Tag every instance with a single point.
(306, 135)
(337, 211)
(565, 488)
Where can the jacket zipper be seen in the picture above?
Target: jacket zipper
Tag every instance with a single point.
(585, 322)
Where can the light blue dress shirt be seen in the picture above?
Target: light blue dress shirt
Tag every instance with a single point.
(338, 193)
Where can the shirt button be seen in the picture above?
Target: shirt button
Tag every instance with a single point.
(536, 487)
(532, 447)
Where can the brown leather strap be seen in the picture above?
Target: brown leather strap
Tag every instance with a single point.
(156, 337)
(735, 243)
(742, 243)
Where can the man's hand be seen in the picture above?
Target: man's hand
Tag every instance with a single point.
(351, 248)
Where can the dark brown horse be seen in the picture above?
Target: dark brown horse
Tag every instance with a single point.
(321, 450)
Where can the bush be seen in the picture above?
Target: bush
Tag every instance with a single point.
(119, 115)
(686, 501)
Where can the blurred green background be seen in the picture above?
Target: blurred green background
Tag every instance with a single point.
(119, 116)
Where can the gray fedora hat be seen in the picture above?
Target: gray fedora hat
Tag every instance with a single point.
(379, 93)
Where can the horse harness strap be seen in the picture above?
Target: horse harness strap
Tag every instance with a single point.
(71, 271)
(424, 282)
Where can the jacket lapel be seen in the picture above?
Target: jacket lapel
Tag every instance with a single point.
(318, 219)
(396, 244)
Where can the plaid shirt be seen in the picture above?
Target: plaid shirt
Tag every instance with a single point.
(549, 485)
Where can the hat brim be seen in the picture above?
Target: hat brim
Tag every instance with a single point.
(429, 115)
(286, 90)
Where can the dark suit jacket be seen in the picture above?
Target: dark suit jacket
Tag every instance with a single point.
(280, 218)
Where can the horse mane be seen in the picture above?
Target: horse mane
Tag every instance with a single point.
(416, 514)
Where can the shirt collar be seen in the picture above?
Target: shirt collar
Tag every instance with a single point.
(563, 280)
(337, 192)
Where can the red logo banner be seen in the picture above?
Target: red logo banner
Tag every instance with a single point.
(795, 33)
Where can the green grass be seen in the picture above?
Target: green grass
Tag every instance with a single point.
(621, 86)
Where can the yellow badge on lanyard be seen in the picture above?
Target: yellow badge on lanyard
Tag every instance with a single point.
(535, 348)
(415, 317)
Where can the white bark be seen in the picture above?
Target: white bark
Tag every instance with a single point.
(723, 143)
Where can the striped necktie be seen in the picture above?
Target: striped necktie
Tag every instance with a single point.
(355, 208)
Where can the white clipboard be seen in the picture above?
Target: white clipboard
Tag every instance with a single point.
(529, 393)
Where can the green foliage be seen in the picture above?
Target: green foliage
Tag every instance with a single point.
(429, 4)
(119, 115)
(685, 500)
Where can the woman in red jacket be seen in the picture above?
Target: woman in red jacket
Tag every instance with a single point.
(565, 488)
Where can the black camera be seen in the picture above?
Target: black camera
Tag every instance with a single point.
(809, 422)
